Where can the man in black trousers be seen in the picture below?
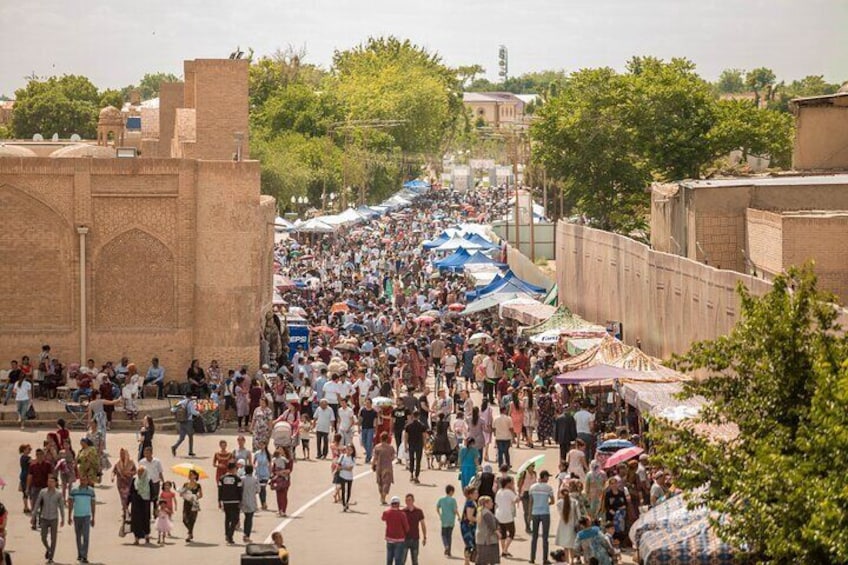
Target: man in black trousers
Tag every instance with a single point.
(565, 431)
(229, 498)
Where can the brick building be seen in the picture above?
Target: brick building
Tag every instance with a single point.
(167, 254)
(764, 224)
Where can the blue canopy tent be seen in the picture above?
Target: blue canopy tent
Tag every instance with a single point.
(417, 185)
(480, 258)
(508, 283)
(480, 240)
(368, 212)
(441, 239)
(455, 262)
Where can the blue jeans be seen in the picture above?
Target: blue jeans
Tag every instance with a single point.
(186, 429)
(410, 547)
(76, 394)
(82, 528)
(367, 438)
(503, 451)
(447, 537)
(395, 552)
(545, 521)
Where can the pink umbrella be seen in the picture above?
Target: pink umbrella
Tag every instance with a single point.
(623, 455)
(424, 320)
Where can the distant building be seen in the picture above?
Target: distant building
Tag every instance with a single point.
(496, 108)
(6, 109)
(764, 224)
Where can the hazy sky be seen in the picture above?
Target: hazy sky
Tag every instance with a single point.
(114, 43)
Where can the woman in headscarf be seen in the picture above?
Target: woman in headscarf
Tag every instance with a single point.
(139, 499)
(88, 462)
(594, 489)
(123, 474)
(591, 542)
(546, 417)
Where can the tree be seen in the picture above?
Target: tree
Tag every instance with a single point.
(584, 139)
(761, 81)
(671, 111)
(111, 97)
(389, 79)
(780, 376)
(731, 81)
(63, 105)
(268, 75)
(812, 85)
(466, 74)
(741, 125)
(148, 86)
(298, 107)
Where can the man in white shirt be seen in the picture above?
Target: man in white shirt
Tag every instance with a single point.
(332, 393)
(361, 387)
(585, 423)
(346, 420)
(154, 471)
(541, 498)
(502, 428)
(506, 500)
(324, 420)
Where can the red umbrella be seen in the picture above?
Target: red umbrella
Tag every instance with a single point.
(424, 320)
(456, 307)
(623, 455)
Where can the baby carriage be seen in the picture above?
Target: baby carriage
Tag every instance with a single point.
(282, 435)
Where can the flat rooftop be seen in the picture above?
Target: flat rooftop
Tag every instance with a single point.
(799, 180)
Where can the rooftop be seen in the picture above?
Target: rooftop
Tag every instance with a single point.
(489, 97)
(839, 98)
(781, 180)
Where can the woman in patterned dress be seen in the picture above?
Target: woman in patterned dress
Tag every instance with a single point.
(261, 424)
(546, 418)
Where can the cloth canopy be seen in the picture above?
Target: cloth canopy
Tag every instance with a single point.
(351, 216)
(562, 319)
(315, 225)
(506, 283)
(528, 313)
(668, 515)
(480, 258)
(481, 241)
(455, 262)
(457, 242)
(603, 374)
(691, 543)
(281, 224)
(439, 240)
(490, 301)
(368, 212)
(612, 352)
(416, 184)
(552, 297)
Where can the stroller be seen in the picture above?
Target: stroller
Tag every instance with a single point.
(282, 435)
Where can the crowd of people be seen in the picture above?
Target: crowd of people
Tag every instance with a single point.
(391, 379)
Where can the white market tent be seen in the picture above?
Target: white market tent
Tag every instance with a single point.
(315, 225)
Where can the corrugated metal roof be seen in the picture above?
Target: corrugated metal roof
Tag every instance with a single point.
(799, 180)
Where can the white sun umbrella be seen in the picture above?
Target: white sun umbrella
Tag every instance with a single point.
(479, 338)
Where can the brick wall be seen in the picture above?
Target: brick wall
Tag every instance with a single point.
(665, 300)
(222, 107)
(765, 240)
(824, 240)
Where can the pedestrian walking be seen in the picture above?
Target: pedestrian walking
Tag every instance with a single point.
(397, 527)
(82, 508)
(184, 413)
(486, 536)
(324, 418)
(382, 465)
(229, 500)
(281, 469)
(346, 463)
(541, 498)
(191, 493)
(503, 432)
(249, 493)
(140, 499)
(415, 539)
(415, 434)
(50, 509)
(506, 500)
(468, 524)
(448, 515)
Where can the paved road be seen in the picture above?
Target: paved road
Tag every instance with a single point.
(317, 531)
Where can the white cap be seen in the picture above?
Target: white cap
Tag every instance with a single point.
(395, 500)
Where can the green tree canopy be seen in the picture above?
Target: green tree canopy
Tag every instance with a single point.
(148, 86)
(731, 81)
(389, 79)
(761, 81)
(741, 125)
(63, 105)
(781, 376)
(585, 139)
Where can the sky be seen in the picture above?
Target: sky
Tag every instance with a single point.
(116, 43)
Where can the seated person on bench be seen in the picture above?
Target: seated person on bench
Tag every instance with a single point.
(84, 380)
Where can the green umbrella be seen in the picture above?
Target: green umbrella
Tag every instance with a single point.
(536, 460)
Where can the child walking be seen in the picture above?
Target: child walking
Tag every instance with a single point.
(305, 428)
(163, 522)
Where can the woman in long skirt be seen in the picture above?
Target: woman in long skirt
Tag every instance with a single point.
(123, 473)
(191, 494)
(381, 464)
(140, 506)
